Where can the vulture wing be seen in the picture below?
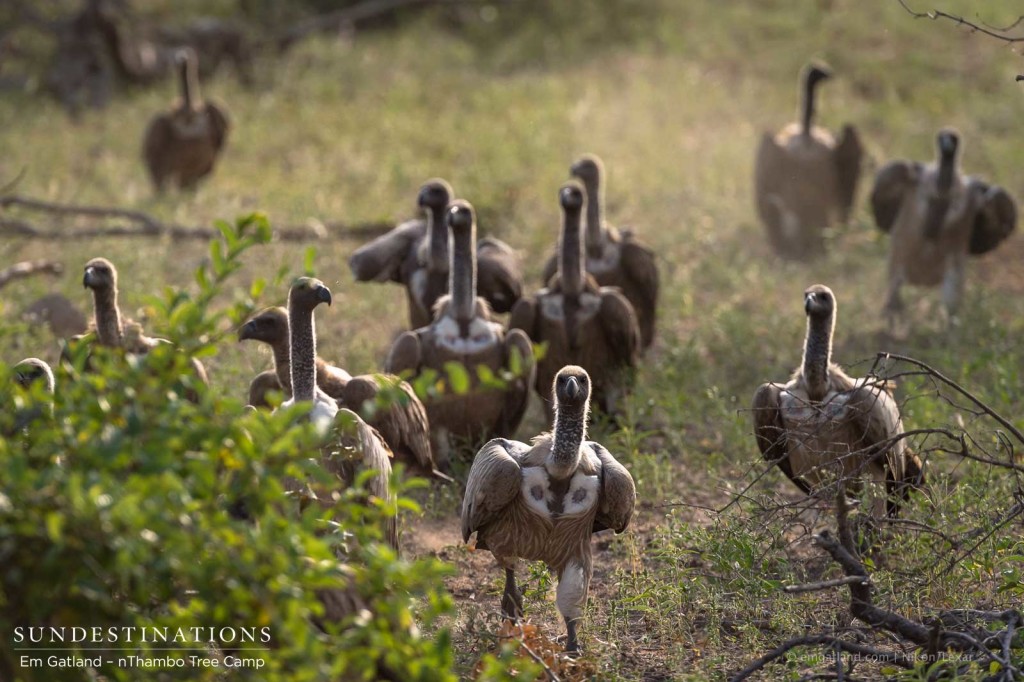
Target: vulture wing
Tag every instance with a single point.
(996, 218)
(618, 320)
(371, 453)
(220, 124)
(618, 493)
(499, 276)
(848, 155)
(517, 396)
(769, 176)
(381, 259)
(494, 482)
(892, 182)
(770, 431)
(639, 266)
(406, 354)
(524, 316)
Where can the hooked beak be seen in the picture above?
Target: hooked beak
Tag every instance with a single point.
(324, 294)
(572, 388)
(246, 331)
(87, 278)
(808, 302)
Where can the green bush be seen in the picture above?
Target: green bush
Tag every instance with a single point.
(116, 512)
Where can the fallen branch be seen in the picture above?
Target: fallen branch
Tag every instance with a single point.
(826, 584)
(140, 224)
(880, 655)
(29, 268)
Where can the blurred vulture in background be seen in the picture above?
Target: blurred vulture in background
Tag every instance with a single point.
(614, 258)
(936, 218)
(582, 323)
(181, 146)
(415, 255)
(804, 180)
(824, 428)
(463, 333)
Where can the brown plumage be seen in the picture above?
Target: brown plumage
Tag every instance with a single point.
(403, 424)
(463, 332)
(111, 328)
(823, 426)
(415, 255)
(61, 315)
(583, 324)
(355, 445)
(804, 180)
(542, 502)
(615, 258)
(181, 146)
(936, 218)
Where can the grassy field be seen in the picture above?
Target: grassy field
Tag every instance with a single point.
(674, 96)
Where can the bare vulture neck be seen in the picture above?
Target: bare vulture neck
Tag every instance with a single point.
(938, 204)
(303, 352)
(108, 317)
(570, 263)
(807, 117)
(570, 430)
(437, 240)
(595, 217)
(462, 280)
(189, 79)
(283, 361)
(818, 354)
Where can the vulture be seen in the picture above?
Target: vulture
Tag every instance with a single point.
(415, 255)
(615, 258)
(359, 447)
(542, 502)
(804, 180)
(936, 218)
(403, 424)
(462, 332)
(113, 330)
(181, 146)
(63, 317)
(26, 373)
(823, 426)
(582, 323)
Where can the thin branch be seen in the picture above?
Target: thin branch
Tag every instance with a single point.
(960, 389)
(827, 584)
(939, 14)
(895, 658)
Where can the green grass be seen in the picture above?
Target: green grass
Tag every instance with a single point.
(674, 96)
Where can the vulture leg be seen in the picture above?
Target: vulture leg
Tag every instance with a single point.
(894, 305)
(953, 287)
(512, 599)
(571, 597)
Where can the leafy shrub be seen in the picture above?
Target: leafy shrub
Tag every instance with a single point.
(116, 512)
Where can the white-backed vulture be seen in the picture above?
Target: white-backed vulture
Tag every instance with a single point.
(936, 218)
(403, 424)
(181, 146)
(615, 258)
(583, 324)
(114, 330)
(542, 502)
(823, 426)
(358, 446)
(26, 373)
(804, 180)
(415, 255)
(462, 332)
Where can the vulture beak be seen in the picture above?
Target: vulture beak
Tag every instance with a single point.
(809, 300)
(87, 278)
(324, 295)
(246, 331)
(572, 388)
(421, 198)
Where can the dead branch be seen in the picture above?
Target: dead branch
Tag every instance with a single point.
(826, 584)
(140, 224)
(959, 389)
(997, 33)
(29, 268)
(896, 658)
